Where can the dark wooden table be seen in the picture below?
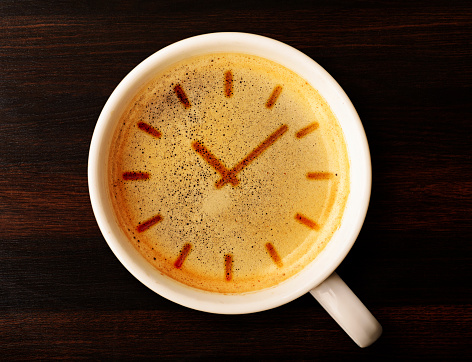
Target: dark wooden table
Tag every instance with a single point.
(407, 69)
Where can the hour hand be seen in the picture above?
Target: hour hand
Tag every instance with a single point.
(215, 163)
(251, 156)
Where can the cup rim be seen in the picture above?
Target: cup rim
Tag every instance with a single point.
(360, 168)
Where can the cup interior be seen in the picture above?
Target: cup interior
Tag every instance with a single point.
(360, 174)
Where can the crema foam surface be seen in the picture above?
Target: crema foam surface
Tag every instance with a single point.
(228, 172)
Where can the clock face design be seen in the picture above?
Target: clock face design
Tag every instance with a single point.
(228, 172)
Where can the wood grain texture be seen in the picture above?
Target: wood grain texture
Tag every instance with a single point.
(407, 69)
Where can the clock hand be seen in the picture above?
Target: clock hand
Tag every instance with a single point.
(251, 156)
(214, 162)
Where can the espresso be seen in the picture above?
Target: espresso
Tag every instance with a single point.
(228, 172)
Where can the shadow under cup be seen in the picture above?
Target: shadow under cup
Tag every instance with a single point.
(360, 174)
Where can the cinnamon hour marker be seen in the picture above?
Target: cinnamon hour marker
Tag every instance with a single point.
(306, 130)
(182, 96)
(307, 222)
(148, 223)
(134, 176)
(183, 255)
(319, 175)
(149, 129)
(273, 97)
(228, 267)
(228, 83)
(274, 255)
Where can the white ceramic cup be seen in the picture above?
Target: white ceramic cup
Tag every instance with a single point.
(319, 277)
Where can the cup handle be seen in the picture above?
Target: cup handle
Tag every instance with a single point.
(347, 310)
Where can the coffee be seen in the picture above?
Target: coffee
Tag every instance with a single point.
(228, 172)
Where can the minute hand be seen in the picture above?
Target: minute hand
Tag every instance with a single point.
(251, 156)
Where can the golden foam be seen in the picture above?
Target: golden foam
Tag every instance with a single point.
(228, 175)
